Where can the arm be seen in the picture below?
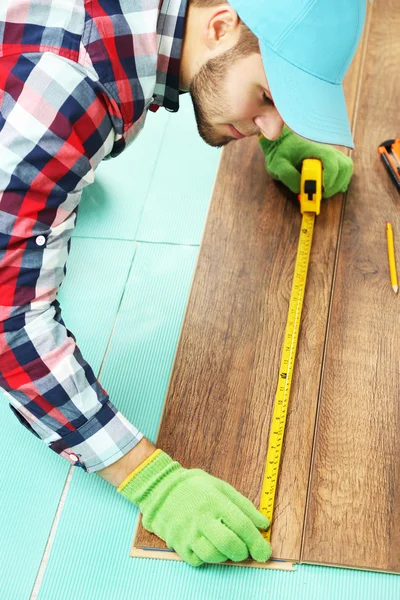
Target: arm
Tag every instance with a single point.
(117, 472)
(54, 130)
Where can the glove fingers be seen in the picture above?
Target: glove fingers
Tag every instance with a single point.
(188, 555)
(258, 547)
(330, 174)
(237, 521)
(225, 540)
(285, 172)
(207, 552)
(259, 520)
(337, 174)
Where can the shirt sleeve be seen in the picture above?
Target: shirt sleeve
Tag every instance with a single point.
(55, 128)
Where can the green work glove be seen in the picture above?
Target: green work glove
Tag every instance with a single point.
(284, 156)
(201, 517)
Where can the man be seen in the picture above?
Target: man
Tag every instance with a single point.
(77, 79)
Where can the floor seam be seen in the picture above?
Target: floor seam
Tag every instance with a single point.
(46, 554)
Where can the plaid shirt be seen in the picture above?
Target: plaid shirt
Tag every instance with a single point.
(76, 80)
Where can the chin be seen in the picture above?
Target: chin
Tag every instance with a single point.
(218, 143)
(207, 131)
(210, 137)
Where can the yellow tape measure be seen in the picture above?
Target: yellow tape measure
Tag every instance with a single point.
(310, 202)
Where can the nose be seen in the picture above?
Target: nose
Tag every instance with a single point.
(270, 124)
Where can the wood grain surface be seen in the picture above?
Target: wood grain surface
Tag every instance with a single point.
(354, 510)
(219, 402)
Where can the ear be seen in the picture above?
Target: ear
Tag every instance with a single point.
(222, 28)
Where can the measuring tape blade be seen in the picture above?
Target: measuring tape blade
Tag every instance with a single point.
(286, 369)
(310, 199)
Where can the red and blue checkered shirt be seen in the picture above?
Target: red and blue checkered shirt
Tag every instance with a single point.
(77, 78)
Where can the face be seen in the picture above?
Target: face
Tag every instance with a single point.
(232, 100)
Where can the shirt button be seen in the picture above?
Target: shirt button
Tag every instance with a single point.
(40, 240)
(73, 458)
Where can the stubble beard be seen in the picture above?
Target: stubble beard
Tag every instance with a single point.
(209, 102)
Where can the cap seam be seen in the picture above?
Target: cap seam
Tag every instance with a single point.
(301, 15)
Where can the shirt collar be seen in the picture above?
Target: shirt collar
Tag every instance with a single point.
(170, 30)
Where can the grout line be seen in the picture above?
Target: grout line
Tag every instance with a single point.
(331, 298)
(46, 554)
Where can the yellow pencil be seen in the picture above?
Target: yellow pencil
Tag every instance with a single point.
(392, 259)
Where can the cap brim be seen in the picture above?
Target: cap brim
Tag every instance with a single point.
(311, 107)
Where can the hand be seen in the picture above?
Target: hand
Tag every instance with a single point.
(284, 157)
(201, 517)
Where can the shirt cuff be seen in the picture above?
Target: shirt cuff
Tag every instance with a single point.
(100, 442)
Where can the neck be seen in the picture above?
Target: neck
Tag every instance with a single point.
(191, 58)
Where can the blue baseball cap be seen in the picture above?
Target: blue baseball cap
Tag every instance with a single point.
(306, 47)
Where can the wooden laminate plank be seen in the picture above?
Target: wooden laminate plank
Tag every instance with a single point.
(218, 409)
(353, 514)
(219, 402)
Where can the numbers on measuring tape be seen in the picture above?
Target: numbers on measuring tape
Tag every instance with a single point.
(278, 420)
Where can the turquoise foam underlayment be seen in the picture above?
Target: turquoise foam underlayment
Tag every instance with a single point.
(90, 558)
(177, 200)
(170, 171)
